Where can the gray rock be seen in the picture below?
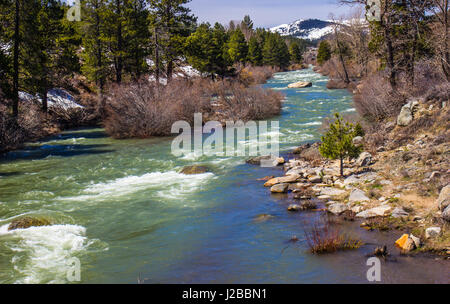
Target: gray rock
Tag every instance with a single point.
(432, 232)
(315, 179)
(374, 212)
(406, 115)
(300, 84)
(365, 159)
(358, 196)
(337, 208)
(399, 212)
(358, 140)
(257, 160)
(357, 209)
(280, 188)
(294, 208)
(416, 240)
(444, 198)
(446, 214)
(195, 169)
(332, 192)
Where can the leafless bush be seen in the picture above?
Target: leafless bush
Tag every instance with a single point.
(375, 100)
(144, 109)
(28, 126)
(240, 103)
(256, 74)
(439, 93)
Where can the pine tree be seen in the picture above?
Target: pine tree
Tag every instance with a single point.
(295, 52)
(205, 49)
(255, 51)
(324, 52)
(173, 18)
(96, 64)
(200, 49)
(275, 51)
(237, 47)
(42, 29)
(11, 32)
(137, 37)
(337, 143)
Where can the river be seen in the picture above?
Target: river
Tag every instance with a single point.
(125, 212)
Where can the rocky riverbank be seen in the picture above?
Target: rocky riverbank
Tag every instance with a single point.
(402, 188)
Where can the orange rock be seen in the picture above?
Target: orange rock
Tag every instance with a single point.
(401, 242)
(405, 243)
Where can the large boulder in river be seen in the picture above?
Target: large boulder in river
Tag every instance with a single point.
(444, 198)
(300, 84)
(27, 222)
(280, 188)
(257, 160)
(195, 169)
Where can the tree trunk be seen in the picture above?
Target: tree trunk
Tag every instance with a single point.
(445, 58)
(342, 166)
(45, 100)
(341, 56)
(15, 105)
(169, 70)
(156, 56)
(119, 67)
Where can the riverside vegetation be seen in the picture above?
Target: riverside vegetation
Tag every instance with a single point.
(398, 73)
(401, 93)
(119, 45)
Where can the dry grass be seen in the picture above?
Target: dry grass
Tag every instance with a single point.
(322, 237)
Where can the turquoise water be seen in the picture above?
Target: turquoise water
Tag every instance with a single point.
(124, 211)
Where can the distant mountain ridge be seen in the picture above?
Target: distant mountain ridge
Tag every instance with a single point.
(310, 29)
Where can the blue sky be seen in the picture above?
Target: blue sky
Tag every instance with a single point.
(265, 13)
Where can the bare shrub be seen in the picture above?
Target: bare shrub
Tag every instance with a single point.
(256, 74)
(240, 103)
(145, 109)
(28, 126)
(375, 99)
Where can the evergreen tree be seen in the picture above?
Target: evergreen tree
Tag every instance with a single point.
(200, 49)
(255, 51)
(237, 47)
(295, 52)
(324, 52)
(96, 64)
(337, 143)
(205, 50)
(42, 29)
(173, 18)
(137, 37)
(275, 51)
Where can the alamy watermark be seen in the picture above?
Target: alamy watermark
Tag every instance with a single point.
(374, 272)
(73, 270)
(74, 12)
(241, 139)
(373, 10)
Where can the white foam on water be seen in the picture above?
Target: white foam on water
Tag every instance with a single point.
(168, 184)
(42, 254)
(349, 110)
(314, 123)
